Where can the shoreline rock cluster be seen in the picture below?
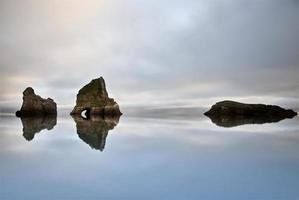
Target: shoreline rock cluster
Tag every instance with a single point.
(102, 114)
(93, 100)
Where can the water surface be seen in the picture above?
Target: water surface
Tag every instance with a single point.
(143, 157)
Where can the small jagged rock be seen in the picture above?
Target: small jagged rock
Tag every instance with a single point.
(34, 105)
(231, 113)
(93, 98)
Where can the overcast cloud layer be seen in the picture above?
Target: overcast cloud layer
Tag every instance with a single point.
(158, 52)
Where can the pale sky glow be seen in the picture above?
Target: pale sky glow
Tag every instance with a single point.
(177, 53)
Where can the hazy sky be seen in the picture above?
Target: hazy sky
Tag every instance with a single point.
(157, 52)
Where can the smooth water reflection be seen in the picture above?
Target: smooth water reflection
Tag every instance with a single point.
(94, 130)
(33, 125)
(232, 121)
(151, 159)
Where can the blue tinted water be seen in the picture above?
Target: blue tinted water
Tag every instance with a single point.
(152, 158)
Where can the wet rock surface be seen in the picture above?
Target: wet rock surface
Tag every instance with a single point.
(93, 98)
(94, 130)
(33, 125)
(230, 113)
(34, 105)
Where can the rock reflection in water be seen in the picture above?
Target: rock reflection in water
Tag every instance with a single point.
(33, 125)
(94, 130)
(238, 120)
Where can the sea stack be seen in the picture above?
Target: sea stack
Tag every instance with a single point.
(236, 108)
(35, 106)
(231, 113)
(94, 100)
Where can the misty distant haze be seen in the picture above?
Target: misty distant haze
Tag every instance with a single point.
(158, 52)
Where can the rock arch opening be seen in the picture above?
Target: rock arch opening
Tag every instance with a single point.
(85, 113)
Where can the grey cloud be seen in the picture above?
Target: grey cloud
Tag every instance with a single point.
(163, 50)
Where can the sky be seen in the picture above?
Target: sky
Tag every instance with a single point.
(159, 52)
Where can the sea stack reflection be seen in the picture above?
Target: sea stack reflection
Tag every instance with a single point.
(94, 130)
(33, 125)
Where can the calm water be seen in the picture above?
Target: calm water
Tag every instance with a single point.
(148, 158)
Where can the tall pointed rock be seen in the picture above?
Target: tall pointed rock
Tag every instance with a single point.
(93, 98)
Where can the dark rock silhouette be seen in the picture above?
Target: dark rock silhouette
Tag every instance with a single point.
(33, 125)
(230, 113)
(93, 98)
(34, 105)
(94, 130)
(232, 121)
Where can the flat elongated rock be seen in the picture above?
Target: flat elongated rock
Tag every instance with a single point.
(230, 113)
(93, 98)
(34, 105)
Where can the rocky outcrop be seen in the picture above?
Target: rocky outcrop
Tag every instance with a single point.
(33, 125)
(93, 98)
(230, 113)
(34, 105)
(94, 131)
